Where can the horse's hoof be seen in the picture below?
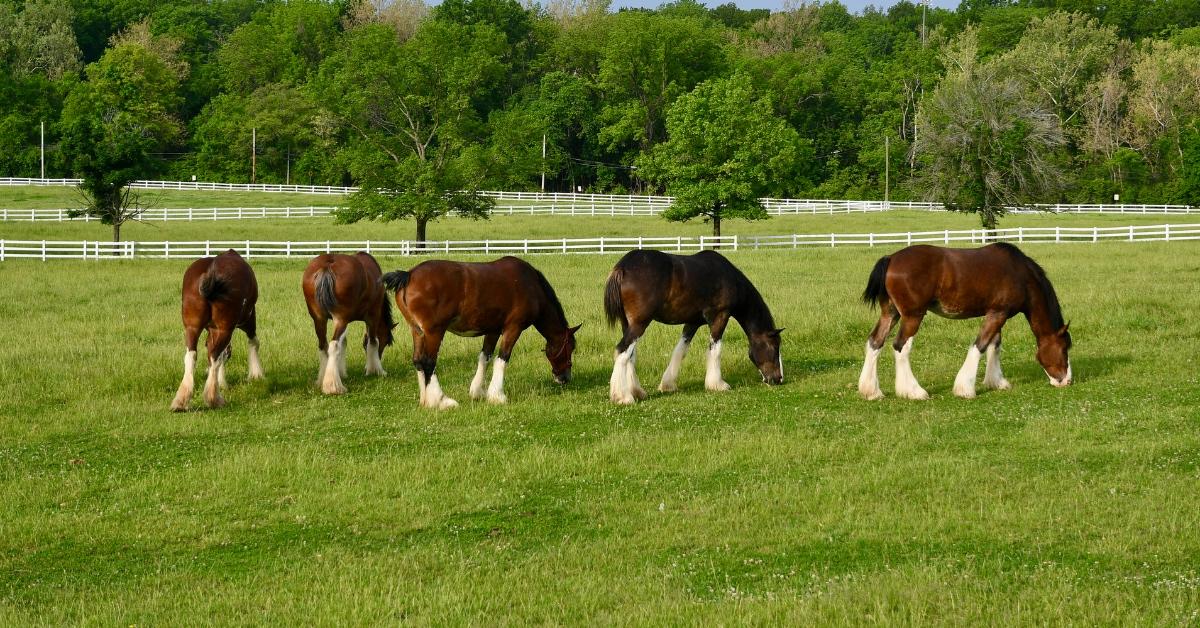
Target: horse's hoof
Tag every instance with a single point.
(447, 403)
(718, 387)
(219, 402)
(497, 399)
(624, 401)
(639, 394)
(871, 395)
(667, 388)
(1000, 385)
(916, 395)
(334, 390)
(177, 406)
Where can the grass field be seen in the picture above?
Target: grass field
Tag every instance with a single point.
(798, 504)
(58, 197)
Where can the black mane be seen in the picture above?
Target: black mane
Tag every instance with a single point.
(550, 294)
(1053, 309)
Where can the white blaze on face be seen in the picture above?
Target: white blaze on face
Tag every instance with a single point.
(1065, 381)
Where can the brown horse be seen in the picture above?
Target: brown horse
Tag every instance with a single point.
(694, 290)
(346, 288)
(497, 300)
(219, 294)
(996, 282)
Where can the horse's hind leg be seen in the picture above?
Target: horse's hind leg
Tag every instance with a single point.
(906, 383)
(254, 370)
(425, 350)
(188, 386)
(868, 380)
(331, 381)
(670, 378)
(623, 387)
(485, 356)
(373, 347)
(218, 353)
(993, 377)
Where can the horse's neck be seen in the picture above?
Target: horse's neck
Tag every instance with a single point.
(752, 313)
(550, 324)
(1038, 312)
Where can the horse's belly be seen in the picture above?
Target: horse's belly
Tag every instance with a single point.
(945, 312)
(466, 333)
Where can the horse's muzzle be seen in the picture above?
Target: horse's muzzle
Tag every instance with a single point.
(563, 378)
(773, 381)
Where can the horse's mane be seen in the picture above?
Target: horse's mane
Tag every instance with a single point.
(550, 294)
(1039, 275)
(752, 300)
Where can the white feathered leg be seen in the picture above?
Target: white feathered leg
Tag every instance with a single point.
(188, 386)
(255, 370)
(906, 383)
(964, 383)
(712, 375)
(670, 378)
(331, 384)
(477, 388)
(618, 384)
(993, 376)
(868, 380)
(495, 393)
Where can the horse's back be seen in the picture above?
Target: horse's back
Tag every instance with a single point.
(958, 283)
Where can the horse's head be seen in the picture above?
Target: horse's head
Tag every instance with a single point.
(1052, 355)
(764, 353)
(559, 351)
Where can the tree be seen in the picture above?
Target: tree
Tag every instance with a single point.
(983, 144)
(415, 131)
(725, 148)
(114, 126)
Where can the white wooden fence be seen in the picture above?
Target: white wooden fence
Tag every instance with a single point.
(193, 185)
(173, 213)
(58, 249)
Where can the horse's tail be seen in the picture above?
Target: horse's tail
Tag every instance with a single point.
(876, 290)
(614, 307)
(396, 280)
(388, 322)
(326, 297)
(212, 286)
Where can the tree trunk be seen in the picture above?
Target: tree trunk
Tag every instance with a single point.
(421, 222)
(716, 220)
(116, 231)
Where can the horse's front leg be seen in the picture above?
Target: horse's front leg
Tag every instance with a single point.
(188, 386)
(425, 351)
(218, 353)
(868, 379)
(508, 340)
(989, 334)
(670, 378)
(906, 383)
(623, 387)
(993, 377)
(485, 356)
(712, 374)
(254, 368)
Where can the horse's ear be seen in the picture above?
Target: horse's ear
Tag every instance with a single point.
(575, 329)
(1065, 328)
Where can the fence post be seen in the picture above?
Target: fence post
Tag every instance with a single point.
(947, 237)
(327, 249)
(1020, 234)
(1057, 234)
(287, 248)
(44, 251)
(1, 250)
(1131, 233)
(1166, 232)
(167, 249)
(247, 249)
(1095, 235)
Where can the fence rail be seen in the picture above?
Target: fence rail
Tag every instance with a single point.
(58, 249)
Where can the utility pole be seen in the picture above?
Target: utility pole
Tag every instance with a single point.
(887, 164)
(43, 144)
(288, 176)
(924, 4)
(253, 153)
(543, 162)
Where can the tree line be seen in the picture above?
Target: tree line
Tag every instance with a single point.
(995, 103)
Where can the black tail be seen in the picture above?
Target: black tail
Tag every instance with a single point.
(614, 307)
(212, 286)
(326, 297)
(877, 283)
(396, 280)
(388, 321)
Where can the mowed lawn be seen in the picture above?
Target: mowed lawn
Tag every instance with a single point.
(798, 504)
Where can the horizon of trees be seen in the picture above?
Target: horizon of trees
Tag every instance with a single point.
(352, 91)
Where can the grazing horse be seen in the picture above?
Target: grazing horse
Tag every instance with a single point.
(996, 282)
(346, 288)
(693, 290)
(497, 300)
(219, 294)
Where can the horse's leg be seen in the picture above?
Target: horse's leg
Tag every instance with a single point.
(254, 370)
(712, 373)
(418, 354)
(485, 356)
(188, 386)
(671, 375)
(621, 386)
(906, 383)
(993, 377)
(989, 332)
(508, 340)
(331, 383)
(868, 380)
(373, 347)
(218, 353)
(425, 359)
(320, 327)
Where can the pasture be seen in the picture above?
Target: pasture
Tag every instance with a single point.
(799, 504)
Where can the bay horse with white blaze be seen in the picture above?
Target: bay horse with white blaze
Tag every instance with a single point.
(693, 290)
(346, 288)
(997, 282)
(219, 294)
(497, 300)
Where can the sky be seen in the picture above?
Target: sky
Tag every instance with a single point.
(775, 5)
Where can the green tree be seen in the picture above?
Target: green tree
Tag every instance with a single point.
(982, 143)
(114, 126)
(725, 149)
(415, 133)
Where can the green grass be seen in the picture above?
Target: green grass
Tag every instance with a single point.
(535, 227)
(58, 197)
(799, 504)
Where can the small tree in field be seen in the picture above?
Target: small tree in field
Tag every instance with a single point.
(725, 149)
(983, 142)
(114, 124)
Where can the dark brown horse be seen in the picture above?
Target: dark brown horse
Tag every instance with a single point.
(996, 282)
(497, 300)
(219, 294)
(346, 288)
(694, 290)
